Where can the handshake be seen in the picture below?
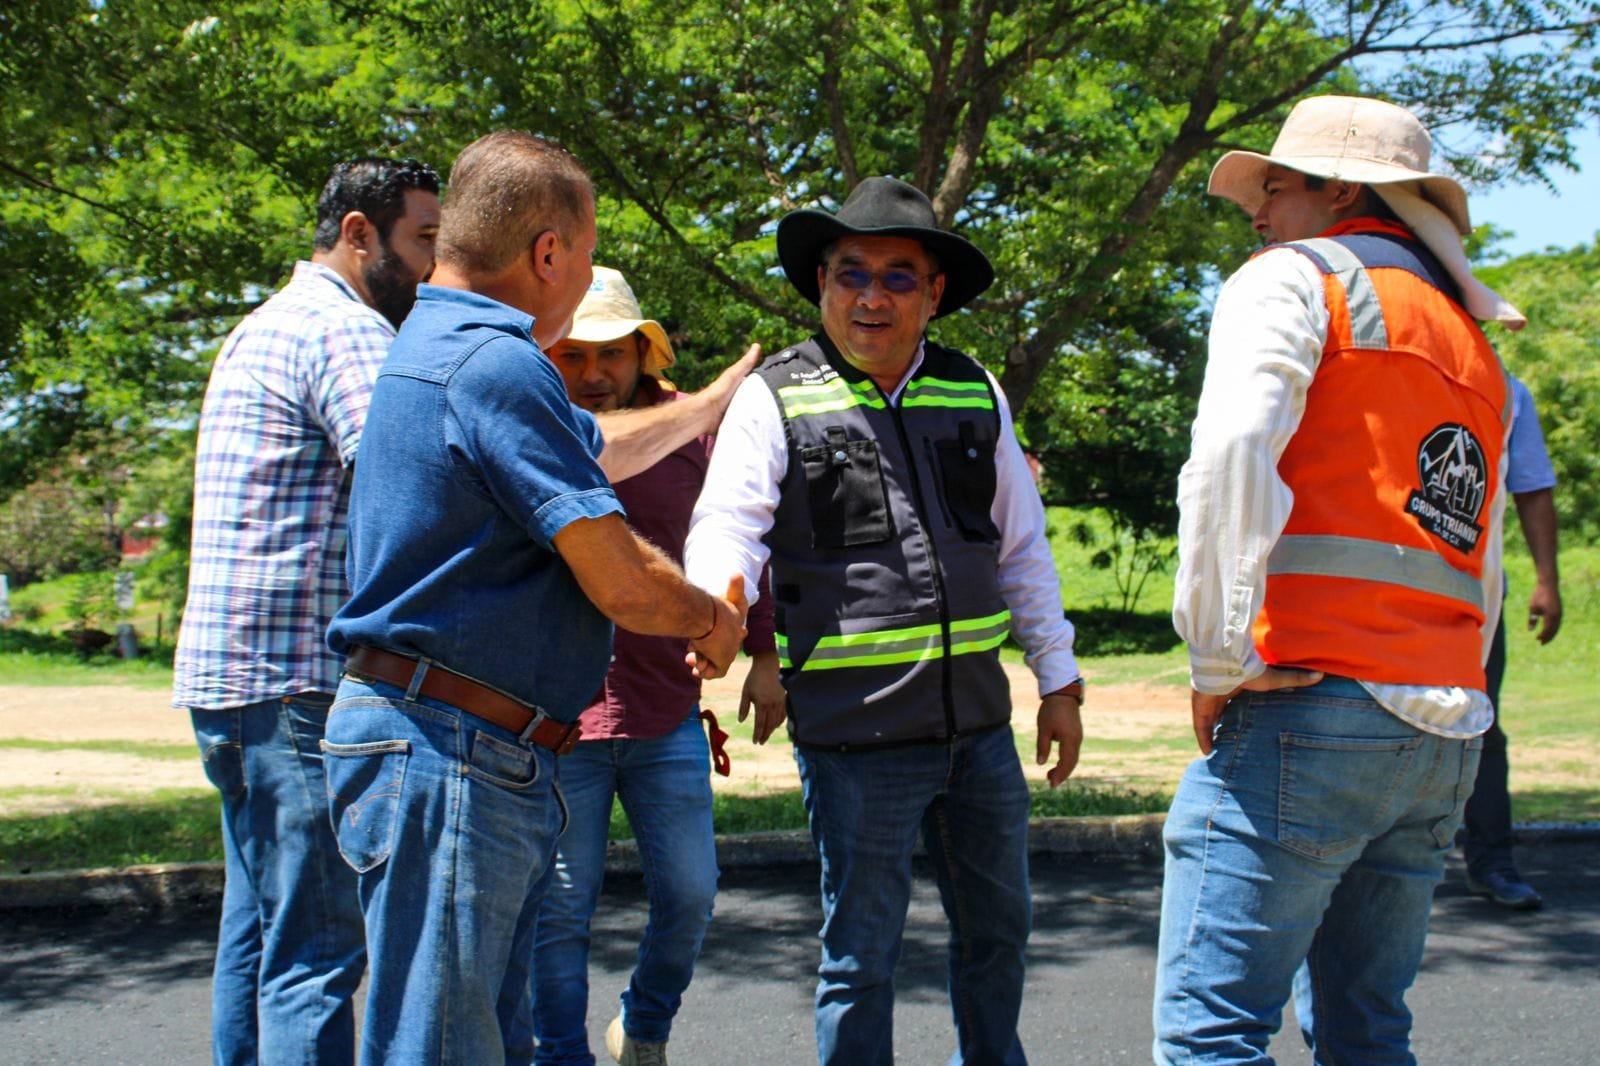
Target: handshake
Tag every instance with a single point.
(711, 653)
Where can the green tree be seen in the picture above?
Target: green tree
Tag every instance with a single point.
(158, 158)
(1558, 357)
(1071, 139)
(50, 528)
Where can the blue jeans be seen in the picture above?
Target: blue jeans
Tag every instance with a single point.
(1314, 833)
(970, 802)
(450, 822)
(665, 786)
(290, 948)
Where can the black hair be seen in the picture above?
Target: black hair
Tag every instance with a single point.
(374, 186)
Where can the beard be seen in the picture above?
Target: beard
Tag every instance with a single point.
(392, 285)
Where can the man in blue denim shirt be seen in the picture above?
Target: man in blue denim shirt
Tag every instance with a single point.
(480, 516)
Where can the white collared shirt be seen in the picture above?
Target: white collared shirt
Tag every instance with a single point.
(735, 511)
(1267, 335)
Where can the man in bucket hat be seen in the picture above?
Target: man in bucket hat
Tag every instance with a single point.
(880, 473)
(642, 738)
(1339, 568)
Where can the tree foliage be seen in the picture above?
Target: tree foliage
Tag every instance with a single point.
(158, 159)
(1556, 357)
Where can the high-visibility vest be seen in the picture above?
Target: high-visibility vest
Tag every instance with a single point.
(885, 560)
(1394, 471)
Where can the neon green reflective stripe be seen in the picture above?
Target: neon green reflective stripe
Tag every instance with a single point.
(911, 644)
(935, 392)
(783, 651)
(835, 395)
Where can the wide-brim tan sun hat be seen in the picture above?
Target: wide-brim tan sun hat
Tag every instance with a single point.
(1346, 138)
(609, 310)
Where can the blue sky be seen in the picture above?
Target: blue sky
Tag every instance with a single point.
(1539, 219)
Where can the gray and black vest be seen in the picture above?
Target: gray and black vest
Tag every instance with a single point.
(884, 555)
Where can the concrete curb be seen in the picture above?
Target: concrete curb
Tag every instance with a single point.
(188, 883)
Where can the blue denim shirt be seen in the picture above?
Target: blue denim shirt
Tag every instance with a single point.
(471, 461)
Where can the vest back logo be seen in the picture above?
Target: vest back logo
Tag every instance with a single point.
(1455, 482)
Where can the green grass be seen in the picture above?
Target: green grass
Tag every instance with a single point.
(184, 826)
(1548, 701)
(43, 606)
(32, 658)
(168, 826)
(116, 747)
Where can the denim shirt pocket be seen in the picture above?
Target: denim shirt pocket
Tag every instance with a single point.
(365, 782)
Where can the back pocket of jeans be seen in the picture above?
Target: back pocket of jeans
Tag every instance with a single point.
(1333, 792)
(364, 788)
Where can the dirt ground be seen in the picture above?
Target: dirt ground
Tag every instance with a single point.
(37, 779)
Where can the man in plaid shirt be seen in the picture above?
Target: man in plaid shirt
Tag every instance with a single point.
(278, 433)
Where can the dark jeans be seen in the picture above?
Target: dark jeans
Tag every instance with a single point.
(1486, 836)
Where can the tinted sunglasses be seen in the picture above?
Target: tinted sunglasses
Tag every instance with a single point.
(896, 281)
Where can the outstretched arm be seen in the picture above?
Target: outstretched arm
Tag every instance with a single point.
(638, 587)
(637, 438)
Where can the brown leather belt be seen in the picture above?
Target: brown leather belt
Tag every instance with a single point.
(463, 692)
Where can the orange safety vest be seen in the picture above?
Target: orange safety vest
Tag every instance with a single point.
(1394, 471)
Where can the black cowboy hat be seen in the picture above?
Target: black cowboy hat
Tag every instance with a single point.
(882, 207)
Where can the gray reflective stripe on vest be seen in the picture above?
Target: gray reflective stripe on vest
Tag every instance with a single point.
(1366, 316)
(1373, 560)
(910, 644)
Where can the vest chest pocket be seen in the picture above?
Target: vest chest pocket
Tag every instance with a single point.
(967, 479)
(844, 488)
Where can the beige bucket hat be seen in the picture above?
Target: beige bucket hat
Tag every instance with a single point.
(609, 310)
(1347, 138)
(1384, 146)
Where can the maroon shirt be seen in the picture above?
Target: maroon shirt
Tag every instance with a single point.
(649, 688)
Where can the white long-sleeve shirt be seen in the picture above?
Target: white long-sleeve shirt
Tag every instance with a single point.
(735, 511)
(1267, 335)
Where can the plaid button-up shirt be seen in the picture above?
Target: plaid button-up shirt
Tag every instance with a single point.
(278, 432)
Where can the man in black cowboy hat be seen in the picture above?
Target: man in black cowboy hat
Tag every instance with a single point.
(880, 473)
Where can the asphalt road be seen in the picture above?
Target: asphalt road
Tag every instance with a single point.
(1496, 989)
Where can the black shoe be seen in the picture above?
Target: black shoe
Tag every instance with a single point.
(1506, 888)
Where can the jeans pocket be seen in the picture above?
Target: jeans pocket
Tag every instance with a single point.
(364, 787)
(1444, 830)
(224, 766)
(1333, 791)
(513, 767)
